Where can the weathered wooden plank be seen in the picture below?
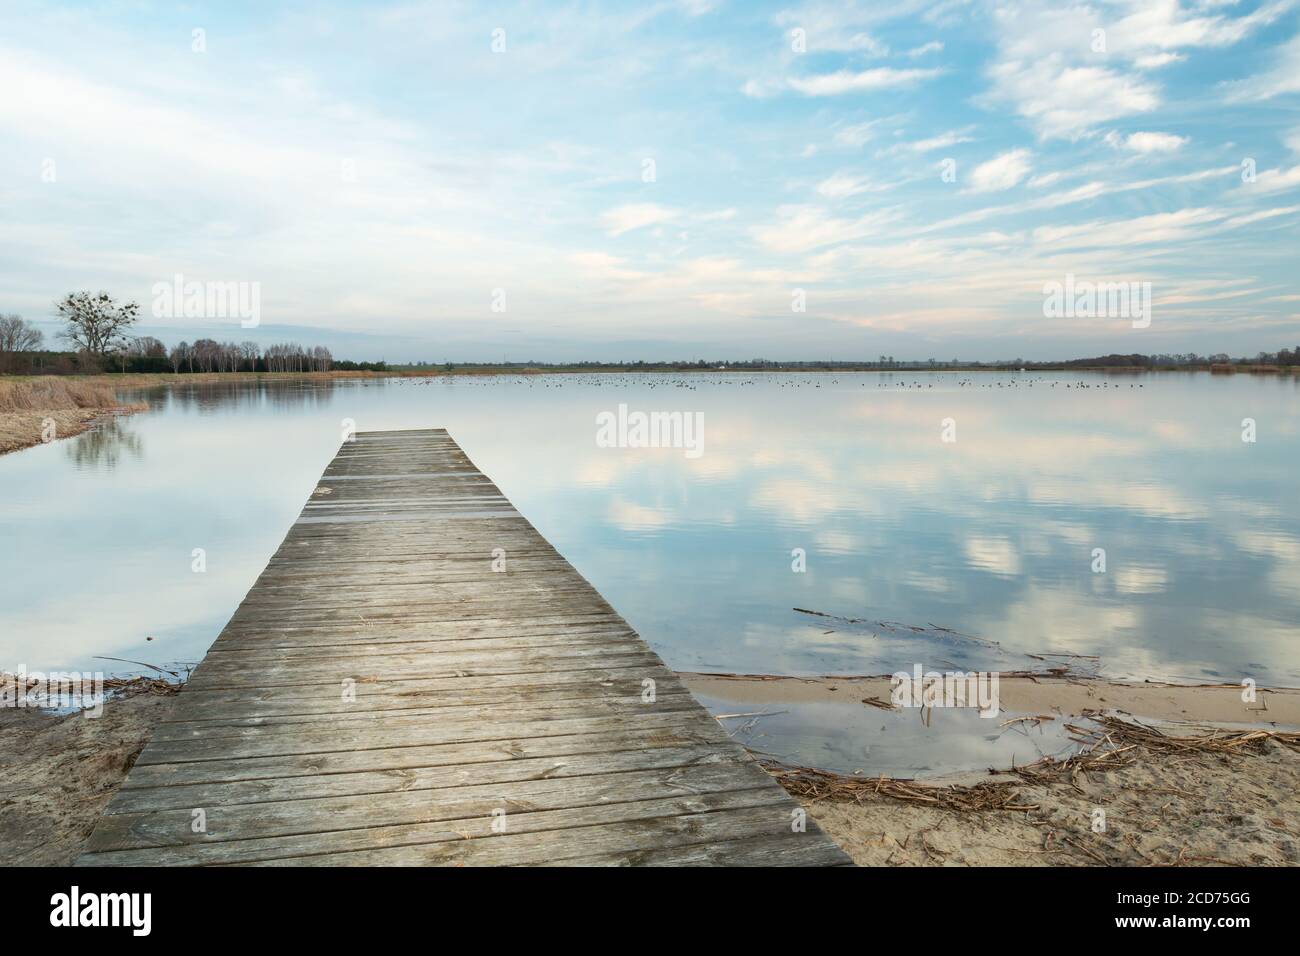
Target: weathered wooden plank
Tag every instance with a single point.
(394, 734)
(230, 793)
(237, 822)
(681, 731)
(634, 825)
(386, 691)
(624, 693)
(377, 722)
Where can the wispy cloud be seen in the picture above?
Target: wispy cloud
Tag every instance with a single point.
(863, 81)
(1001, 172)
(1147, 142)
(929, 144)
(389, 211)
(1280, 77)
(631, 216)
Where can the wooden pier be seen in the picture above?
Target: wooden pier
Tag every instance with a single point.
(418, 677)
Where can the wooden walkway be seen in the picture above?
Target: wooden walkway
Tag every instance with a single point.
(383, 696)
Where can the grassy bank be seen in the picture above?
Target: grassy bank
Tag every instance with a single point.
(43, 408)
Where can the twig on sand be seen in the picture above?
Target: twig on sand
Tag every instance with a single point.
(1110, 745)
(749, 725)
(123, 660)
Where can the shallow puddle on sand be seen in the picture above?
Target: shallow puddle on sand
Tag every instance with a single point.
(852, 737)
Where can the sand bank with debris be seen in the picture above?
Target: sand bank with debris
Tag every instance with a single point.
(1161, 775)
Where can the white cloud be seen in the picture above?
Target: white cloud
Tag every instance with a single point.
(1153, 61)
(1166, 25)
(844, 26)
(1147, 142)
(1046, 179)
(1165, 227)
(761, 89)
(847, 81)
(1067, 102)
(1283, 76)
(631, 216)
(1050, 70)
(1001, 172)
(934, 46)
(843, 185)
(1273, 180)
(804, 228)
(942, 141)
(856, 135)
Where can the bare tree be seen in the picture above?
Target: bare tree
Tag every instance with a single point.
(179, 355)
(96, 323)
(18, 335)
(146, 346)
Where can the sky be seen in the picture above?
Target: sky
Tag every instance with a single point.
(661, 180)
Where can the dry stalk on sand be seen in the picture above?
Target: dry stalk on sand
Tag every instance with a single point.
(812, 784)
(131, 686)
(1109, 744)
(12, 686)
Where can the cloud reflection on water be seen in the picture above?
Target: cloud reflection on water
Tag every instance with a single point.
(991, 535)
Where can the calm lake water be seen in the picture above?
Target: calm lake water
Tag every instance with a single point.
(991, 535)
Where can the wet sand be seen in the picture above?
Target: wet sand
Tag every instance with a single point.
(1219, 704)
(58, 771)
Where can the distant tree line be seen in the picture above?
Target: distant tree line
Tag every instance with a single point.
(208, 355)
(1284, 358)
(98, 329)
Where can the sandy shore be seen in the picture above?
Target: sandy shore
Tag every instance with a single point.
(1160, 804)
(1217, 703)
(1200, 809)
(57, 772)
(1185, 808)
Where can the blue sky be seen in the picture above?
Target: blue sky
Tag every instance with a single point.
(382, 172)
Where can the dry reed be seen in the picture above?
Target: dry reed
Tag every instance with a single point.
(1108, 744)
(51, 393)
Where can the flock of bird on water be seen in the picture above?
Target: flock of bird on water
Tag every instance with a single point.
(656, 380)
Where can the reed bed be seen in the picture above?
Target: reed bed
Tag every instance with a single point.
(52, 393)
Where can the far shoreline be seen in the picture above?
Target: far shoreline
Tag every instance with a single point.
(24, 428)
(155, 379)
